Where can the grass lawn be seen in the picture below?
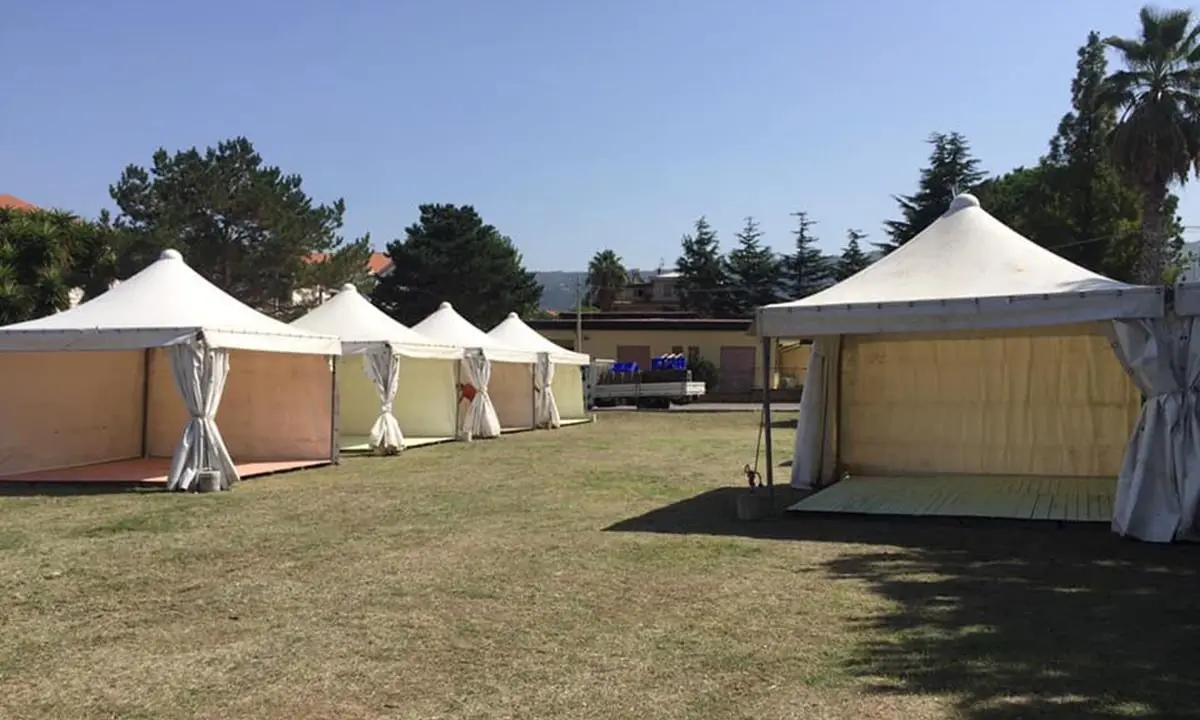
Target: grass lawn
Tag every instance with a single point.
(593, 572)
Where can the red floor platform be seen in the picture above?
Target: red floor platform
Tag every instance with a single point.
(151, 472)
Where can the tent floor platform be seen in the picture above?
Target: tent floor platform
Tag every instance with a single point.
(362, 444)
(564, 422)
(149, 472)
(1074, 499)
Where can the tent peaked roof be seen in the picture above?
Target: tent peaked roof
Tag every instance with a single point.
(167, 303)
(966, 270)
(362, 326)
(513, 331)
(445, 325)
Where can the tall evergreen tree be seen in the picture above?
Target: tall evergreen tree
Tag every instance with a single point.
(246, 226)
(952, 170)
(451, 255)
(703, 283)
(755, 272)
(807, 270)
(1098, 212)
(1074, 201)
(852, 259)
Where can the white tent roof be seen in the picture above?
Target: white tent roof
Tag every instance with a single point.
(362, 326)
(965, 271)
(445, 325)
(168, 303)
(513, 331)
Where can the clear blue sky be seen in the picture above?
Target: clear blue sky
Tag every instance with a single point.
(571, 125)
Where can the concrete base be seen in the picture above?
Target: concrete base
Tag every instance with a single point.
(208, 481)
(753, 506)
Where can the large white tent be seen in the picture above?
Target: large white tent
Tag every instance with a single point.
(968, 353)
(396, 387)
(497, 379)
(558, 377)
(163, 366)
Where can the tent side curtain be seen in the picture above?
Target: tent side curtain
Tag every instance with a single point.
(995, 313)
(93, 339)
(1158, 488)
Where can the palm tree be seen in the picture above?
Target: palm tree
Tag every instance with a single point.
(1156, 142)
(606, 279)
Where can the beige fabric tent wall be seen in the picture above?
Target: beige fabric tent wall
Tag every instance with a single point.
(566, 382)
(968, 351)
(425, 405)
(510, 389)
(94, 384)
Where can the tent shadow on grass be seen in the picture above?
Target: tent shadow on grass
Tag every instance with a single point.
(1014, 619)
(67, 489)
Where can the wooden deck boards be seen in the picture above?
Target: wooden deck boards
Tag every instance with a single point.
(1032, 498)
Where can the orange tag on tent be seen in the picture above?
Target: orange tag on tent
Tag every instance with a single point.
(468, 392)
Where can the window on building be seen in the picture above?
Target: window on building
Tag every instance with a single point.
(693, 352)
(676, 349)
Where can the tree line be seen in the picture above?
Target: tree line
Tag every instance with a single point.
(1100, 196)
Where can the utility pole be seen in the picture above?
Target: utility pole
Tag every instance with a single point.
(578, 315)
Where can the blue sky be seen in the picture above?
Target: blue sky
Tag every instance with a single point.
(570, 125)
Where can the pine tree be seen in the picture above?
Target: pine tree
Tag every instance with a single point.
(807, 270)
(450, 254)
(853, 259)
(755, 273)
(952, 170)
(703, 283)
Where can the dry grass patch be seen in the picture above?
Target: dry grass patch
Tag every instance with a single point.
(593, 572)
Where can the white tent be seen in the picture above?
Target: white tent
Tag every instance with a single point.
(970, 351)
(497, 380)
(559, 389)
(113, 387)
(398, 388)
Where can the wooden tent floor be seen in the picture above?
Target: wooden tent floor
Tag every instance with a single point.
(574, 421)
(145, 471)
(360, 443)
(1024, 498)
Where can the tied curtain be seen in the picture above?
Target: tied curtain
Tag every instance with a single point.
(200, 373)
(480, 419)
(546, 414)
(813, 457)
(1158, 489)
(382, 366)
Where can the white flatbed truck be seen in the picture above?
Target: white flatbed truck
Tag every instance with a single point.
(607, 389)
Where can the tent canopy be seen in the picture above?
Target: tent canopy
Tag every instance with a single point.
(965, 271)
(445, 325)
(513, 331)
(362, 327)
(168, 303)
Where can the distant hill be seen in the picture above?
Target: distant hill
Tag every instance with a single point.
(558, 288)
(558, 291)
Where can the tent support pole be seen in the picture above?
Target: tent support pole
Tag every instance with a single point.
(335, 428)
(766, 416)
(146, 401)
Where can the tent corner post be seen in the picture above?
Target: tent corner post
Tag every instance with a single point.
(766, 417)
(146, 369)
(335, 429)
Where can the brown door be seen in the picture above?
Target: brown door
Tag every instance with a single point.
(737, 369)
(639, 354)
